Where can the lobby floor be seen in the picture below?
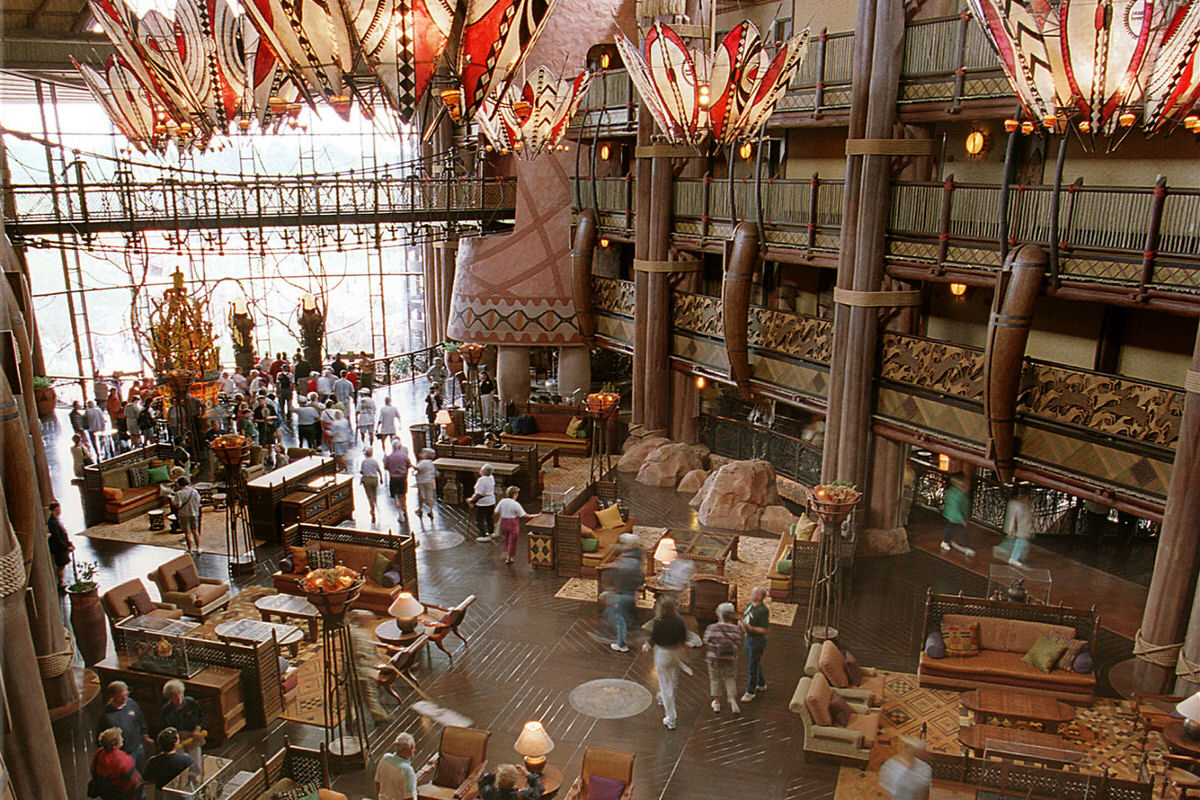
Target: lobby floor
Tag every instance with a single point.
(529, 649)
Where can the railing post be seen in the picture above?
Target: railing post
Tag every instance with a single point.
(810, 242)
(960, 71)
(819, 95)
(1150, 251)
(628, 203)
(944, 225)
(706, 207)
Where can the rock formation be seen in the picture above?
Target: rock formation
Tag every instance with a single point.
(692, 482)
(734, 496)
(631, 460)
(665, 465)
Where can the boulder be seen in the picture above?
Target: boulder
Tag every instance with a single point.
(631, 460)
(692, 482)
(716, 461)
(776, 519)
(733, 497)
(702, 452)
(667, 464)
(883, 542)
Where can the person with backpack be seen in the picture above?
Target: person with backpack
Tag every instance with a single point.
(722, 641)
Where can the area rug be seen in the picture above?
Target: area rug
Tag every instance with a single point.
(750, 570)
(610, 698)
(1108, 730)
(137, 531)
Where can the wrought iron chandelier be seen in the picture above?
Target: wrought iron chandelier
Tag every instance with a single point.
(1098, 65)
(723, 97)
(192, 77)
(531, 119)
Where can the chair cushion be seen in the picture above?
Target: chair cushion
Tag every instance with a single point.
(610, 517)
(784, 566)
(209, 592)
(186, 577)
(934, 646)
(140, 603)
(573, 426)
(139, 476)
(1083, 661)
(961, 640)
(1044, 654)
(112, 493)
(996, 666)
(867, 725)
(429, 791)
(159, 474)
(306, 792)
(587, 513)
(321, 557)
(1074, 648)
(817, 700)
(299, 559)
(854, 672)
(589, 544)
(451, 770)
(832, 665)
(602, 788)
(378, 567)
(839, 710)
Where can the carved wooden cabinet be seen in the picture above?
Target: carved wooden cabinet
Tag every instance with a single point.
(323, 501)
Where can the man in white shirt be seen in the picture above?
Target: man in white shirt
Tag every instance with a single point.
(227, 386)
(256, 382)
(343, 390)
(93, 417)
(389, 421)
(1019, 525)
(426, 482)
(395, 778)
(132, 409)
(240, 382)
(325, 385)
(308, 424)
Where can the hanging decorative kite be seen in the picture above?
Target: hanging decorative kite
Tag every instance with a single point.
(722, 97)
(531, 119)
(1098, 65)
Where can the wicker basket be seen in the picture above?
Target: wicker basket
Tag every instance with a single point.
(230, 449)
(832, 512)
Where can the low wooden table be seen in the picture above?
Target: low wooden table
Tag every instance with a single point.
(255, 631)
(704, 547)
(289, 607)
(1045, 748)
(1017, 706)
(1178, 742)
(552, 778)
(389, 632)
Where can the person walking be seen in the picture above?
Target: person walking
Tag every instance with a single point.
(366, 662)
(186, 502)
(668, 635)
(186, 716)
(397, 465)
(116, 413)
(484, 500)
(624, 579)
(343, 390)
(369, 473)
(81, 454)
(1018, 525)
(755, 621)
(366, 416)
(133, 411)
(265, 419)
(308, 423)
(905, 776)
(283, 385)
(508, 516)
(395, 778)
(433, 404)
(426, 482)
(123, 713)
(94, 419)
(328, 415)
(114, 774)
(722, 641)
(955, 507)
(487, 397)
(76, 418)
(389, 421)
(341, 439)
(60, 544)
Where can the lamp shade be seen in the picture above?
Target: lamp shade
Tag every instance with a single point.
(665, 553)
(443, 417)
(1189, 708)
(533, 742)
(405, 606)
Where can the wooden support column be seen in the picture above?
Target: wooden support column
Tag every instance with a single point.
(656, 407)
(641, 281)
(1177, 561)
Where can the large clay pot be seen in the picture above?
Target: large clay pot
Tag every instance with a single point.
(46, 401)
(87, 620)
(454, 361)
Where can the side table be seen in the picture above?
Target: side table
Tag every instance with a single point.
(389, 632)
(1178, 742)
(540, 531)
(552, 778)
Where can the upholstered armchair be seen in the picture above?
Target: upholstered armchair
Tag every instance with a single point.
(453, 772)
(605, 764)
(444, 622)
(179, 583)
(854, 738)
(130, 599)
(826, 658)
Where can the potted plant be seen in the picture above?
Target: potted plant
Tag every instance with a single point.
(452, 356)
(87, 617)
(43, 393)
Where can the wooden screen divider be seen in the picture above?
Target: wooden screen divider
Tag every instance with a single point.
(1010, 779)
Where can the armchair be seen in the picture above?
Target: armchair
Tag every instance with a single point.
(439, 779)
(179, 583)
(439, 626)
(399, 665)
(826, 658)
(130, 599)
(600, 762)
(854, 740)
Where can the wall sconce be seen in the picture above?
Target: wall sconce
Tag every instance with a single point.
(958, 289)
(943, 462)
(977, 143)
(308, 302)
(700, 382)
(745, 151)
(605, 151)
(604, 242)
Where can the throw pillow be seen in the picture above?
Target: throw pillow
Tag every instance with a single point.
(590, 545)
(140, 603)
(610, 517)
(602, 788)
(309, 791)
(839, 710)
(1074, 647)
(934, 646)
(451, 770)
(320, 557)
(784, 566)
(299, 559)
(139, 476)
(378, 567)
(961, 640)
(582, 433)
(508, 428)
(186, 578)
(573, 426)
(1044, 654)
(158, 474)
(1083, 661)
(853, 670)
(587, 513)
(817, 705)
(113, 493)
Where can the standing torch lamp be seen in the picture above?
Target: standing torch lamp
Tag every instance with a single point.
(832, 503)
(232, 451)
(602, 408)
(179, 381)
(534, 744)
(405, 609)
(472, 356)
(333, 591)
(312, 329)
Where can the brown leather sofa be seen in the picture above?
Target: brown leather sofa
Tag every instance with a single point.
(360, 558)
(109, 494)
(119, 603)
(551, 423)
(205, 598)
(604, 763)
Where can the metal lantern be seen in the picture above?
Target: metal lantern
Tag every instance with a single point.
(833, 502)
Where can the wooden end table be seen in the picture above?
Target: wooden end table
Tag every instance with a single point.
(1178, 742)
(289, 607)
(552, 778)
(389, 632)
(1046, 748)
(254, 631)
(1016, 706)
(540, 534)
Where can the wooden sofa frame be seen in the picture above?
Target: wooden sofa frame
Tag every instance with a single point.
(1011, 779)
(579, 447)
(568, 553)
(404, 545)
(92, 487)
(301, 764)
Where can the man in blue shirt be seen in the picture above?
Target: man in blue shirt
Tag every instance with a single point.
(164, 767)
(186, 716)
(123, 712)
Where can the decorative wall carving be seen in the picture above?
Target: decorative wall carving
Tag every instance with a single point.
(939, 366)
(612, 295)
(782, 332)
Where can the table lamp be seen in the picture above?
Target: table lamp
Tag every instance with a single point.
(1189, 708)
(534, 743)
(406, 608)
(443, 419)
(665, 552)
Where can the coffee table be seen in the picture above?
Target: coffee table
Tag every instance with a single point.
(388, 631)
(289, 607)
(254, 631)
(705, 547)
(1016, 706)
(1046, 748)
(1178, 742)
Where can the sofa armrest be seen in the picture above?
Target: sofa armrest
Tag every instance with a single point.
(628, 793)
(840, 734)
(860, 708)
(853, 695)
(286, 564)
(425, 773)
(871, 671)
(576, 790)
(214, 582)
(813, 665)
(166, 607)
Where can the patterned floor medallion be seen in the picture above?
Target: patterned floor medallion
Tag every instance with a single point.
(611, 698)
(439, 540)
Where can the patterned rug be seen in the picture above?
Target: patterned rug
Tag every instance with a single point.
(610, 698)
(749, 571)
(137, 531)
(1107, 729)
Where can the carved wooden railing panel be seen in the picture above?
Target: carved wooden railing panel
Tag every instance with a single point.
(612, 295)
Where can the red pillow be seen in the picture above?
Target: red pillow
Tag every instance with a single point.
(601, 788)
(451, 770)
(587, 514)
(853, 670)
(186, 577)
(140, 603)
(839, 710)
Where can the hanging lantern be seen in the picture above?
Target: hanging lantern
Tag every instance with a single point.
(725, 96)
(532, 119)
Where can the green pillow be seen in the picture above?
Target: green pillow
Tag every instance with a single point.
(158, 474)
(508, 428)
(590, 545)
(581, 433)
(379, 567)
(1044, 654)
(784, 567)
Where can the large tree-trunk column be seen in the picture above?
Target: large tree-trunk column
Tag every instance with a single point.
(643, 209)
(574, 372)
(657, 389)
(512, 377)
